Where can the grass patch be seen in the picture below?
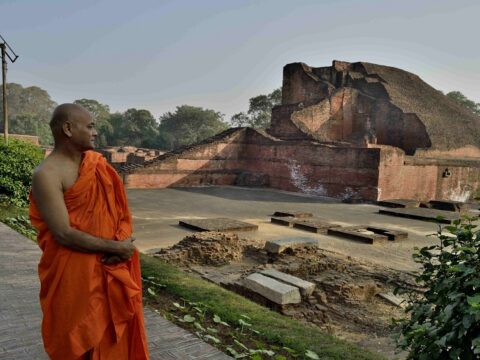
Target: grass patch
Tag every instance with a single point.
(272, 327)
(17, 218)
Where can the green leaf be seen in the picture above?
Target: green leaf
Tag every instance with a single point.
(177, 305)
(311, 355)
(240, 344)
(474, 301)
(151, 291)
(198, 326)
(244, 323)
(188, 318)
(218, 320)
(212, 338)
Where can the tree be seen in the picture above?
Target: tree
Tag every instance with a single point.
(101, 116)
(464, 101)
(134, 127)
(444, 321)
(259, 112)
(188, 125)
(29, 111)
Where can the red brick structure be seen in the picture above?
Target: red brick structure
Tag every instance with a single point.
(353, 131)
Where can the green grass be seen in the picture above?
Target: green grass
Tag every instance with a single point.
(274, 327)
(17, 218)
(7, 211)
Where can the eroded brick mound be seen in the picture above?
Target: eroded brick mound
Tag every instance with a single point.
(207, 248)
(368, 103)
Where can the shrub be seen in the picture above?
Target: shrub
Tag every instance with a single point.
(444, 322)
(17, 161)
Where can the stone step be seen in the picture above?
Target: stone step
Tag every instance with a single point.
(306, 288)
(280, 245)
(274, 290)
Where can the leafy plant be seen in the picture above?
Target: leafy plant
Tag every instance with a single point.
(444, 321)
(19, 158)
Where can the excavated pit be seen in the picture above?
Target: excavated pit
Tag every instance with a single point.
(345, 302)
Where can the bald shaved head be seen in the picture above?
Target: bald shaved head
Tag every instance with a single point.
(74, 124)
(64, 113)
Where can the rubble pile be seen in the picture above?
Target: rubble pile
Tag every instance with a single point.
(207, 248)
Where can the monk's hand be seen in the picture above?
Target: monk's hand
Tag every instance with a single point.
(125, 248)
(110, 259)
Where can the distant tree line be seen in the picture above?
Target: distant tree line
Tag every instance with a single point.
(30, 108)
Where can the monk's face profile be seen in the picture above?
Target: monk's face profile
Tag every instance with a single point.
(83, 132)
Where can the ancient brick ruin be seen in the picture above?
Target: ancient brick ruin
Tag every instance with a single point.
(353, 131)
(123, 156)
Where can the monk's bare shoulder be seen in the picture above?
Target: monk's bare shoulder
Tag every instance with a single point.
(56, 170)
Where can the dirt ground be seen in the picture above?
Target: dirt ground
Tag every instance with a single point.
(345, 303)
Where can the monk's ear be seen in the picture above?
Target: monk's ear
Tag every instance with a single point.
(67, 128)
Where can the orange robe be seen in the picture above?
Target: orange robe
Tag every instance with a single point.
(88, 305)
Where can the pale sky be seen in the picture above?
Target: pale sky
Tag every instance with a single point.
(217, 54)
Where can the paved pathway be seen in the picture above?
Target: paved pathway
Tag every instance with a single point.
(20, 314)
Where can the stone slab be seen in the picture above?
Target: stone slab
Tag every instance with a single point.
(358, 233)
(391, 298)
(285, 221)
(217, 224)
(306, 288)
(273, 290)
(423, 214)
(280, 245)
(392, 235)
(449, 205)
(295, 214)
(399, 203)
(316, 225)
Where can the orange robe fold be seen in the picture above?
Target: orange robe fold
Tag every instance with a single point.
(87, 305)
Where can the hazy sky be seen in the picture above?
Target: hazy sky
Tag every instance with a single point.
(217, 54)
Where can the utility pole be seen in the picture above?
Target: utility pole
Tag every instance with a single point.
(4, 47)
(4, 85)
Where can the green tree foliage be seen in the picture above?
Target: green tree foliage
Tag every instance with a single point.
(29, 111)
(444, 322)
(188, 125)
(18, 160)
(101, 115)
(259, 112)
(134, 127)
(464, 101)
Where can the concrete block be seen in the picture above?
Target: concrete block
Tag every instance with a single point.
(274, 290)
(306, 288)
(280, 245)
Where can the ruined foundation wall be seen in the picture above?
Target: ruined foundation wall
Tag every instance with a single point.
(340, 172)
(405, 177)
(322, 170)
(211, 163)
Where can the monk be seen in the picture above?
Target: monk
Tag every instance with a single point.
(90, 294)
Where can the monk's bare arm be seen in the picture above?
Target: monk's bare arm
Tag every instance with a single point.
(48, 194)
